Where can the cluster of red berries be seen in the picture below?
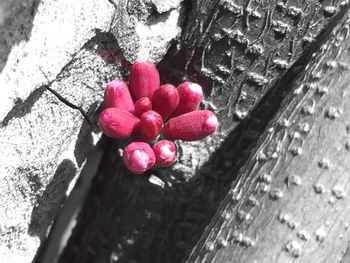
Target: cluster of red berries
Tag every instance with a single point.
(157, 109)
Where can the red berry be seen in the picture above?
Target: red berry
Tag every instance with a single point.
(142, 105)
(143, 79)
(138, 157)
(165, 100)
(118, 123)
(165, 152)
(117, 95)
(191, 126)
(190, 95)
(150, 125)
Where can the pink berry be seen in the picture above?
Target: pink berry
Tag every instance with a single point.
(191, 126)
(150, 125)
(190, 95)
(142, 105)
(138, 157)
(117, 95)
(165, 100)
(118, 123)
(165, 152)
(143, 79)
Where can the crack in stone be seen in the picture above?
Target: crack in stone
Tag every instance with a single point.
(61, 98)
(23, 107)
(113, 3)
(69, 104)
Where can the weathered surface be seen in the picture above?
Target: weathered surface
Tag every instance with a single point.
(145, 29)
(55, 59)
(39, 134)
(290, 202)
(159, 217)
(48, 45)
(238, 50)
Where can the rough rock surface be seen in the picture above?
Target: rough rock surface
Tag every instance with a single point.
(55, 59)
(148, 29)
(44, 37)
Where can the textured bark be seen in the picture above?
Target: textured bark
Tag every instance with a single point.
(290, 201)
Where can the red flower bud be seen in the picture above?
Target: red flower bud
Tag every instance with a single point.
(165, 100)
(142, 105)
(118, 123)
(150, 125)
(143, 79)
(138, 157)
(165, 152)
(117, 95)
(191, 126)
(190, 95)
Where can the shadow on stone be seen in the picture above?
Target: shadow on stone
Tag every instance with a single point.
(48, 204)
(21, 108)
(109, 50)
(16, 22)
(85, 144)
